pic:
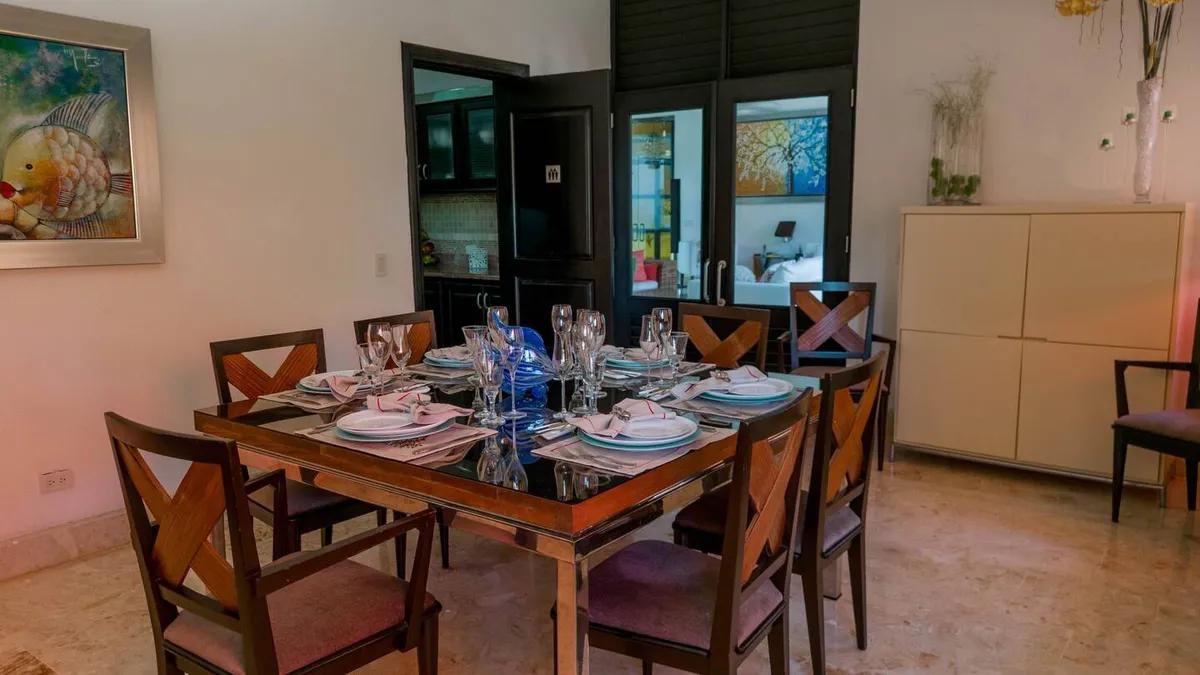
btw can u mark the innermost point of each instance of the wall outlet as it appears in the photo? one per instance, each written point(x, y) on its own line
point(55, 481)
point(381, 264)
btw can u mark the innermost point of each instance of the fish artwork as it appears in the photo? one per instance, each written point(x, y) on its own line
point(56, 180)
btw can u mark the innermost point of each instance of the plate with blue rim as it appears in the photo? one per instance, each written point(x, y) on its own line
point(759, 391)
point(314, 384)
point(616, 444)
point(447, 363)
point(414, 433)
point(633, 364)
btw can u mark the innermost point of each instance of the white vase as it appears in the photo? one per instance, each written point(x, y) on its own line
point(1149, 93)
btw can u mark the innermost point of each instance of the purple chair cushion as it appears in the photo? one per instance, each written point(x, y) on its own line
point(667, 592)
point(707, 514)
point(1182, 425)
point(310, 619)
point(301, 498)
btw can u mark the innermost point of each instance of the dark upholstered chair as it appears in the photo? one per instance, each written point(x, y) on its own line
point(727, 352)
point(663, 603)
point(1171, 432)
point(828, 335)
point(836, 501)
point(312, 612)
point(422, 336)
point(307, 508)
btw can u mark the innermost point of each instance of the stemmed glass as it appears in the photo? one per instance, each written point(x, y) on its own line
point(591, 336)
point(560, 321)
point(401, 349)
point(379, 348)
point(676, 348)
point(491, 465)
point(510, 340)
point(663, 325)
point(489, 366)
point(579, 354)
point(497, 318)
point(475, 337)
point(514, 474)
point(648, 338)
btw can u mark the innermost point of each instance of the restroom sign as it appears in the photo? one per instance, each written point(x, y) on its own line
point(553, 173)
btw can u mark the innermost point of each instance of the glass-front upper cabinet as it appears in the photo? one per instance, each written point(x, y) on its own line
point(435, 144)
point(479, 123)
point(666, 203)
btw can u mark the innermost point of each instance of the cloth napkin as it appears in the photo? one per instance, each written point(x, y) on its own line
point(343, 387)
point(417, 404)
point(690, 390)
point(610, 426)
point(629, 354)
point(456, 353)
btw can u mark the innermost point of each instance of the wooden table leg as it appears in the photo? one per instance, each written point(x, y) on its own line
point(218, 536)
point(571, 626)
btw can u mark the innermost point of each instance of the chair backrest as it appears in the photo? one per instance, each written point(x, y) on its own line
point(170, 533)
point(422, 332)
point(760, 528)
point(232, 368)
point(825, 323)
point(728, 351)
point(841, 469)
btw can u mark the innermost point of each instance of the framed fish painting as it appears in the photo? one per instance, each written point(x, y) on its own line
point(79, 181)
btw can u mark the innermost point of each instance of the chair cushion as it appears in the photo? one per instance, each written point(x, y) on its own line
point(668, 592)
point(1182, 425)
point(301, 498)
point(821, 371)
point(310, 619)
point(707, 515)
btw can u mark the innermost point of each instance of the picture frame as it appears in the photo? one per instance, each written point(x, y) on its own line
point(782, 157)
point(50, 215)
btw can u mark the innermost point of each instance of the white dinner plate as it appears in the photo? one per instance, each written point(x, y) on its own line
point(683, 431)
point(447, 363)
point(413, 433)
point(769, 389)
point(658, 429)
point(612, 444)
point(315, 383)
point(637, 365)
point(374, 422)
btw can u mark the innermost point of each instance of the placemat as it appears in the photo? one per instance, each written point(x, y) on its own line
point(408, 450)
point(575, 450)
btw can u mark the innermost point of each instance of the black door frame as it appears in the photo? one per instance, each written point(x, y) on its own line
point(432, 58)
point(625, 105)
point(836, 83)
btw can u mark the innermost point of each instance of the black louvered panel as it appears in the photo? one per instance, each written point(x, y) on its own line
point(775, 36)
point(661, 43)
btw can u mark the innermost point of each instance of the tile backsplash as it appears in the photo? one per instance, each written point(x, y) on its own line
point(454, 220)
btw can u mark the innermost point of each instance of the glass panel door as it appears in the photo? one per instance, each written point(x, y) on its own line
point(439, 138)
point(481, 142)
point(661, 185)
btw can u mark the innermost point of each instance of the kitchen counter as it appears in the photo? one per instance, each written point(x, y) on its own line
point(461, 272)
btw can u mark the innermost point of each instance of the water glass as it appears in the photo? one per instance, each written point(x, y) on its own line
point(513, 340)
point(489, 366)
point(676, 349)
point(648, 338)
point(379, 344)
point(475, 337)
point(401, 349)
point(663, 321)
point(491, 466)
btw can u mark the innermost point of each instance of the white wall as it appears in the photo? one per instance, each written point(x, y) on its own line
point(282, 149)
point(1051, 100)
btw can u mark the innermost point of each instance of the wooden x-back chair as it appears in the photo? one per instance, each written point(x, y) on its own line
point(304, 508)
point(727, 352)
point(315, 612)
point(422, 332)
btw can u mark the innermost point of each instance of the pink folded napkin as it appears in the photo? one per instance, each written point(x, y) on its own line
point(610, 426)
point(343, 388)
point(456, 353)
point(418, 405)
point(690, 390)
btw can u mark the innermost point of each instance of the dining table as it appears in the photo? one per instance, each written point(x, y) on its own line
point(566, 528)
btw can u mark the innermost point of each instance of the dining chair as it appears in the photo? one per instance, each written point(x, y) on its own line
point(835, 502)
point(307, 508)
point(668, 604)
point(422, 332)
point(422, 336)
point(313, 612)
point(830, 335)
point(728, 351)
point(1170, 432)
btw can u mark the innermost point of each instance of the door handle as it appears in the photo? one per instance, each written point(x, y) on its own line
point(486, 303)
point(720, 268)
point(479, 300)
point(424, 171)
point(704, 280)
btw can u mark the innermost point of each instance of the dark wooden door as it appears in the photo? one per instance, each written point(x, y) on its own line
point(553, 194)
point(462, 305)
point(662, 151)
point(783, 179)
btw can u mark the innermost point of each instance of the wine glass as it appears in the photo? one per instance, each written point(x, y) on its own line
point(401, 349)
point(560, 318)
point(475, 337)
point(648, 338)
point(491, 465)
point(663, 325)
point(676, 348)
point(579, 354)
point(563, 360)
point(497, 318)
point(379, 346)
point(489, 366)
point(514, 473)
point(512, 349)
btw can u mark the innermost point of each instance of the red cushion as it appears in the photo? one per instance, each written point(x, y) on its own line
point(652, 270)
point(639, 266)
point(310, 619)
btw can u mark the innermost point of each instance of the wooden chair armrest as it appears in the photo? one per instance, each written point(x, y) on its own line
point(1192, 369)
point(290, 569)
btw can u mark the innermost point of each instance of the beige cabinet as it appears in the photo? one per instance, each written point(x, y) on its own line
point(968, 390)
point(1011, 317)
point(964, 274)
point(1068, 403)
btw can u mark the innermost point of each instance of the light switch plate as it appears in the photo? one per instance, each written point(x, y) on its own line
point(381, 264)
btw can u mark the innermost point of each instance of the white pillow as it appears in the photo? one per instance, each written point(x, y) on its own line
point(743, 273)
point(805, 269)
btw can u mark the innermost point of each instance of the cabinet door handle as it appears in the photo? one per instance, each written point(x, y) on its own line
point(479, 300)
point(704, 280)
point(720, 269)
point(486, 304)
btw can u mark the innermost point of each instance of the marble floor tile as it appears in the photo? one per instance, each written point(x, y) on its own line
point(971, 569)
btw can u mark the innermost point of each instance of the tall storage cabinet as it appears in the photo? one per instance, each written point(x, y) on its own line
point(1010, 319)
